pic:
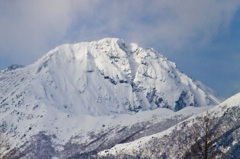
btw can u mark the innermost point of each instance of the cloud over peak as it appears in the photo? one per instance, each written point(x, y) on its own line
point(29, 29)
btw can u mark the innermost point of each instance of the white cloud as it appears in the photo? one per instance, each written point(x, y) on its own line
point(171, 23)
point(34, 27)
point(31, 27)
point(178, 23)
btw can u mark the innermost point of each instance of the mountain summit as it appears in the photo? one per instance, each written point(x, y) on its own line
point(102, 78)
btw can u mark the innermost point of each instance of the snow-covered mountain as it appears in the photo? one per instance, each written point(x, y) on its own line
point(103, 77)
point(64, 95)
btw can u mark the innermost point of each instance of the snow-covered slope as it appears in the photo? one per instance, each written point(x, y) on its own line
point(87, 134)
point(172, 142)
point(72, 85)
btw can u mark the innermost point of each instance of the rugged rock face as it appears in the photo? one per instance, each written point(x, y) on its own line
point(71, 87)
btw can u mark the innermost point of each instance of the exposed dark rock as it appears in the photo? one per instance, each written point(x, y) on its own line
point(14, 67)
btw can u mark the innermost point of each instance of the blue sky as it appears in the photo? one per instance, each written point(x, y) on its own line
point(202, 37)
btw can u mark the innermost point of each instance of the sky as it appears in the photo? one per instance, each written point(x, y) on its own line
point(201, 36)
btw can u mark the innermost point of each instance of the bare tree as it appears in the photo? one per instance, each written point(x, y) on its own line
point(4, 144)
point(202, 143)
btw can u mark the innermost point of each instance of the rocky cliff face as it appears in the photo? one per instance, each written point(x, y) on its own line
point(65, 91)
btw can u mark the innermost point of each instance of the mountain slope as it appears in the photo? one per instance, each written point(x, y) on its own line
point(172, 142)
point(88, 134)
point(72, 86)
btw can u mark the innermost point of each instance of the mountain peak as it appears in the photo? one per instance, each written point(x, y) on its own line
point(108, 77)
point(111, 40)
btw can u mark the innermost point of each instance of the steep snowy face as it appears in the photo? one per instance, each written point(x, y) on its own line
point(102, 78)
